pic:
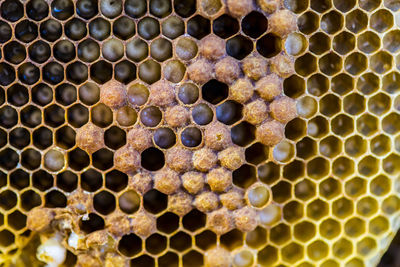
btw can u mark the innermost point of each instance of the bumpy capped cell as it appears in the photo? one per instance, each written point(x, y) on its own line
point(255, 67)
point(270, 133)
point(139, 138)
point(126, 159)
point(206, 202)
point(282, 22)
point(90, 137)
point(241, 91)
point(232, 157)
point(177, 116)
point(204, 159)
point(212, 47)
point(239, 8)
point(180, 203)
point(255, 112)
point(113, 94)
point(217, 136)
point(167, 181)
point(179, 159)
point(193, 182)
point(200, 71)
point(227, 70)
point(283, 109)
point(218, 257)
point(220, 221)
point(219, 179)
point(161, 93)
point(232, 199)
point(269, 87)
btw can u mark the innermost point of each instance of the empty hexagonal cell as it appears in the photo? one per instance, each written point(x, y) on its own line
point(16, 220)
point(205, 240)
point(269, 172)
point(390, 82)
point(381, 20)
point(268, 255)
point(30, 158)
point(168, 222)
point(295, 129)
point(355, 227)
point(330, 146)
point(294, 170)
point(317, 250)
point(330, 105)
point(243, 133)
point(130, 245)
point(330, 64)
point(30, 199)
point(342, 167)
point(368, 42)
point(390, 204)
point(244, 176)
point(198, 27)
point(129, 201)
point(6, 238)
point(367, 206)
point(256, 153)
point(306, 148)
point(317, 209)
point(380, 145)
point(116, 180)
point(152, 159)
point(342, 125)
point(379, 104)
point(368, 83)
point(193, 258)
point(368, 166)
point(65, 137)
point(293, 211)
point(380, 185)
point(320, 5)
point(67, 181)
point(391, 41)
point(279, 234)
point(282, 191)
point(317, 84)
point(378, 225)
point(292, 253)
point(91, 180)
point(194, 220)
point(294, 86)
point(318, 168)
point(42, 180)
point(331, 22)
point(269, 45)
point(319, 43)
point(78, 159)
point(225, 26)
point(55, 199)
point(18, 137)
point(367, 125)
point(356, 21)
point(355, 146)
point(239, 47)
point(155, 201)
point(102, 159)
point(344, 43)
point(180, 241)
point(354, 104)
point(305, 189)
point(342, 248)
point(390, 164)
point(7, 74)
point(342, 207)
point(305, 65)
point(104, 202)
point(355, 187)
point(101, 71)
point(155, 244)
point(308, 22)
point(381, 62)
point(91, 224)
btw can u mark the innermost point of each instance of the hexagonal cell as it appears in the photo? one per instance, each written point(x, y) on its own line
point(19, 137)
point(317, 84)
point(368, 83)
point(294, 86)
point(67, 181)
point(342, 167)
point(367, 125)
point(380, 185)
point(91, 180)
point(268, 255)
point(193, 258)
point(130, 245)
point(256, 153)
point(391, 41)
point(155, 201)
point(354, 104)
point(198, 27)
point(282, 191)
point(381, 20)
point(391, 164)
point(317, 209)
point(305, 190)
point(101, 71)
point(268, 173)
point(381, 62)
point(194, 220)
point(342, 125)
point(279, 234)
point(304, 231)
point(355, 187)
point(331, 22)
point(318, 168)
point(342, 207)
point(43, 137)
point(368, 166)
point(129, 201)
point(168, 259)
point(294, 170)
point(116, 180)
point(305, 65)
point(103, 159)
point(16, 220)
point(77, 115)
point(379, 104)
point(7, 74)
point(292, 253)
point(368, 42)
point(30, 158)
point(239, 47)
point(318, 250)
point(308, 22)
point(225, 26)
point(380, 145)
point(168, 222)
point(330, 228)
point(356, 63)
point(152, 159)
point(30, 199)
point(55, 199)
point(344, 5)
point(344, 43)
point(330, 146)
point(254, 24)
point(293, 211)
point(6, 238)
point(356, 21)
point(243, 134)
point(306, 107)
point(390, 83)
point(295, 129)
point(17, 95)
point(390, 204)
point(330, 64)
point(229, 112)
point(306, 148)
point(269, 45)
point(367, 206)
point(244, 176)
point(330, 105)
point(355, 146)
point(101, 115)
point(78, 159)
point(354, 227)
point(378, 225)
point(321, 5)
point(205, 240)
point(180, 241)
point(330, 188)
point(342, 248)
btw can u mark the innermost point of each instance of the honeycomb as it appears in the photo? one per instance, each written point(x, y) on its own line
point(199, 133)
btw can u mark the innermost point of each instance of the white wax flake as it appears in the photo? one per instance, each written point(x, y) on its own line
point(51, 252)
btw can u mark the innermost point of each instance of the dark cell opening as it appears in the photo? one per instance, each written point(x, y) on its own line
point(26, 31)
point(103, 159)
point(151, 116)
point(8, 159)
point(269, 45)
point(30, 159)
point(78, 159)
point(101, 71)
point(168, 222)
point(156, 243)
point(91, 180)
point(42, 94)
point(185, 8)
point(243, 134)
point(225, 26)
point(116, 180)
point(93, 223)
point(198, 27)
point(164, 137)
point(155, 201)
point(55, 199)
point(254, 24)
point(65, 137)
point(214, 91)
point(191, 137)
point(152, 159)
point(67, 181)
point(244, 176)
point(194, 220)
point(239, 47)
point(104, 202)
point(42, 180)
point(19, 137)
point(130, 245)
point(229, 112)
point(114, 137)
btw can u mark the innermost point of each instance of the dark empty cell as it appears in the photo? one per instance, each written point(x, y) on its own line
point(185, 8)
point(39, 51)
point(19, 179)
point(54, 115)
point(152, 159)
point(125, 71)
point(89, 93)
point(143, 260)
point(55, 199)
point(101, 71)
point(99, 29)
point(5, 32)
point(214, 91)
point(160, 8)
point(87, 8)
point(244, 176)
point(148, 28)
point(8, 159)
point(114, 137)
point(30, 159)
point(2, 96)
point(7, 74)
point(169, 259)
point(30, 199)
point(168, 222)
point(37, 9)
point(156, 243)
point(104, 202)
point(17, 220)
point(66, 94)
point(62, 9)
point(101, 115)
point(180, 241)
point(17, 95)
point(188, 93)
point(3, 179)
point(78, 159)
point(164, 137)
point(92, 224)
point(42, 138)
point(202, 114)
point(31, 116)
point(12, 10)
point(308, 22)
point(50, 30)
point(191, 137)
point(194, 220)
point(8, 199)
point(135, 8)
point(151, 116)
point(77, 72)
point(239, 47)
point(229, 112)
point(53, 73)
point(243, 134)
point(3, 139)
point(206, 239)
point(91, 180)
point(78, 115)
point(67, 181)
point(65, 137)
point(256, 154)
point(42, 94)
point(26, 31)
point(116, 180)
point(103, 159)
point(254, 24)
point(130, 245)
point(8, 117)
point(269, 45)
point(155, 201)
point(225, 26)
point(28, 73)
point(198, 27)
point(14, 52)
point(75, 29)
point(129, 202)
point(64, 51)
point(232, 239)
point(193, 258)
point(19, 137)
point(124, 28)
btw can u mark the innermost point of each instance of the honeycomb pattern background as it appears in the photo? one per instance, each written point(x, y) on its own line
point(332, 183)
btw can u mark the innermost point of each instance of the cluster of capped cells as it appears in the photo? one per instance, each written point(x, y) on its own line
point(198, 133)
